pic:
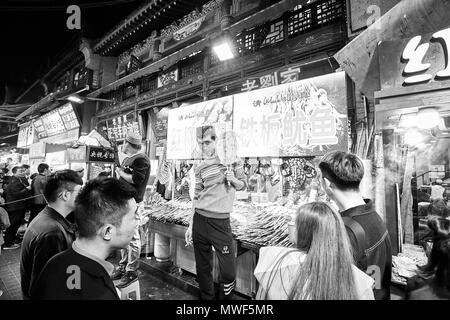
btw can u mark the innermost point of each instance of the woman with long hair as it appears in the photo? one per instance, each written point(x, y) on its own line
point(319, 268)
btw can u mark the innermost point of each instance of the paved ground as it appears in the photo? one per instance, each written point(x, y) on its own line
point(151, 287)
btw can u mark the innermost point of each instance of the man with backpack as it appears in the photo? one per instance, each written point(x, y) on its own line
point(341, 175)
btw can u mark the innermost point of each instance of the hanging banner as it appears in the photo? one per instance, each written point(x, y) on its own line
point(183, 121)
point(302, 118)
point(37, 150)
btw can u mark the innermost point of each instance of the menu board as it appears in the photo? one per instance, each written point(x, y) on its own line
point(40, 129)
point(53, 123)
point(57, 121)
point(26, 135)
point(69, 117)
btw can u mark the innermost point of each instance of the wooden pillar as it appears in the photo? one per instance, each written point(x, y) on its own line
point(390, 167)
point(225, 14)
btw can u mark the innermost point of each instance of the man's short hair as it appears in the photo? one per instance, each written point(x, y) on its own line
point(60, 180)
point(101, 201)
point(343, 169)
point(42, 167)
point(14, 169)
point(25, 166)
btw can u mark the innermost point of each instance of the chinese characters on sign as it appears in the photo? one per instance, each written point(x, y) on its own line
point(167, 78)
point(415, 52)
point(303, 118)
point(69, 117)
point(97, 154)
point(183, 121)
point(118, 127)
point(26, 135)
point(273, 79)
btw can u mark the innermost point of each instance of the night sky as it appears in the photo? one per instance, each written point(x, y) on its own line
point(32, 32)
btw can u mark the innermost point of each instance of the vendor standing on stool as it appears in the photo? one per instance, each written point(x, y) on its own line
point(210, 223)
point(135, 170)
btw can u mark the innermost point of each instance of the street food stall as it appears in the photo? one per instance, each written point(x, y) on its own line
point(412, 116)
point(279, 134)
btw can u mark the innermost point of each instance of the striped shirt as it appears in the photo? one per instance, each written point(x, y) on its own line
point(212, 197)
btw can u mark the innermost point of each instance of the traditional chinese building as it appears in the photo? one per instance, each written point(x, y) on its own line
point(166, 57)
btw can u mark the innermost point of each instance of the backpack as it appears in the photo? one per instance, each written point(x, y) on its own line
point(360, 235)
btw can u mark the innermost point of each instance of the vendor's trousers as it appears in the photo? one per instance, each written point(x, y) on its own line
point(130, 256)
point(208, 233)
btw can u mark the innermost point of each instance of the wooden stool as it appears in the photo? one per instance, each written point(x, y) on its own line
point(130, 292)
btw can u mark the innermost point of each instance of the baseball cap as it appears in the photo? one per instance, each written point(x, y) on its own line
point(77, 168)
point(134, 138)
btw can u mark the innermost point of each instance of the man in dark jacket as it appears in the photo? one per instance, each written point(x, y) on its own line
point(16, 192)
point(106, 216)
point(38, 187)
point(135, 171)
point(50, 233)
point(341, 175)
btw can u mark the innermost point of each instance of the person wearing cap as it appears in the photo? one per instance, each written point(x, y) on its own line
point(135, 170)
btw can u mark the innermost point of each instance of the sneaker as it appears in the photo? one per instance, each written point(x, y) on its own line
point(118, 274)
point(11, 247)
point(129, 277)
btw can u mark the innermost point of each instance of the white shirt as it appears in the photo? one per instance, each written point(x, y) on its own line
point(280, 282)
point(437, 192)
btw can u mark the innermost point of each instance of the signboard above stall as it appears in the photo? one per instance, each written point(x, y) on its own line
point(26, 135)
point(298, 119)
point(419, 60)
point(57, 121)
point(98, 154)
point(118, 127)
point(183, 121)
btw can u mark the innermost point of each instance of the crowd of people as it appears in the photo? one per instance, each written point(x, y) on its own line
point(339, 253)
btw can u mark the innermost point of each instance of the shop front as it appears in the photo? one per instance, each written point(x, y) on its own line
point(413, 128)
point(279, 133)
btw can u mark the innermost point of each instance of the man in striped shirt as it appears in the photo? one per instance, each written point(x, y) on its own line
point(210, 223)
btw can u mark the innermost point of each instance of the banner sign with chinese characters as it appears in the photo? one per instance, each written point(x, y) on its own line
point(414, 61)
point(273, 79)
point(302, 118)
point(183, 121)
point(98, 154)
point(118, 127)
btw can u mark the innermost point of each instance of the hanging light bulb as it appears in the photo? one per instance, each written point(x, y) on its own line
point(428, 118)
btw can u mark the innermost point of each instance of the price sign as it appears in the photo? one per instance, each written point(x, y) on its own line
point(53, 123)
point(40, 129)
point(69, 117)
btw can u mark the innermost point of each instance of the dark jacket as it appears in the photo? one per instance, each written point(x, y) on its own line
point(139, 167)
point(47, 235)
point(94, 281)
point(420, 288)
point(17, 190)
point(377, 247)
point(38, 187)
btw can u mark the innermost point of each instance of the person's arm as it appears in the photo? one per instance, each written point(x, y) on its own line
point(237, 177)
point(141, 167)
point(46, 247)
